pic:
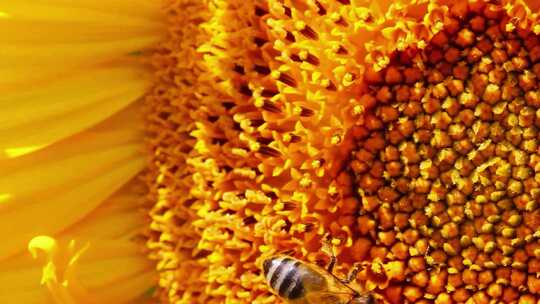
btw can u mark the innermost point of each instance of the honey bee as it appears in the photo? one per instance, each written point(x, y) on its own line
point(298, 282)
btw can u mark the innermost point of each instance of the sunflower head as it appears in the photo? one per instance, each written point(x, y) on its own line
point(408, 131)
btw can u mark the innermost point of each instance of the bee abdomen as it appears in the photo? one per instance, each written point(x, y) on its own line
point(284, 276)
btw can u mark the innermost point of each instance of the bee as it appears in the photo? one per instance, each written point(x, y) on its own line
point(298, 282)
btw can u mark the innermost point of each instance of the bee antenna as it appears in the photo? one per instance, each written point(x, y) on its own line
point(328, 248)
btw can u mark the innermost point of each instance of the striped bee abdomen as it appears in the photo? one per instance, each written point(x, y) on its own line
point(284, 276)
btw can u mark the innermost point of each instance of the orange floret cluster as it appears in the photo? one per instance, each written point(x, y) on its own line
point(447, 162)
point(408, 131)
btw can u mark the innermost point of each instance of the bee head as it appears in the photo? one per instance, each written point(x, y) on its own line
point(364, 299)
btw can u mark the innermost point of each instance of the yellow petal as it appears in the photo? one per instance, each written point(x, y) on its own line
point(137, 8)
point(42, 24)
point(29, 66)
point(44, 47)
point(119, 218)
point(50, 112)
point(71, 73)
point(55, 187)
point(45, 12)
point(42, 41)
point(30, 294)
point(99, 272)
point(114, 268)
point(104, 263)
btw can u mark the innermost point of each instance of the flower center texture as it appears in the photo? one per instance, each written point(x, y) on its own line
point(447, 162)
point(408, 131)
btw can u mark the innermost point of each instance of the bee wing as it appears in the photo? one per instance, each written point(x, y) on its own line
point(327, 297)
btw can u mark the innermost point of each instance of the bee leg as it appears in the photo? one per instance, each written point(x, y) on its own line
point(352, 274)
point(330, 267)
point(329, 250)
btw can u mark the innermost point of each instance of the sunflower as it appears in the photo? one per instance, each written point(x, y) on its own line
point(181, 142)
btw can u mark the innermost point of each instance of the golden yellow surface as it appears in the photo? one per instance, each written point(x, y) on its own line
point(71, 146)
point(408, 131)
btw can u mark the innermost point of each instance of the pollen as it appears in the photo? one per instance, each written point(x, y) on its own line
point(407, 131)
